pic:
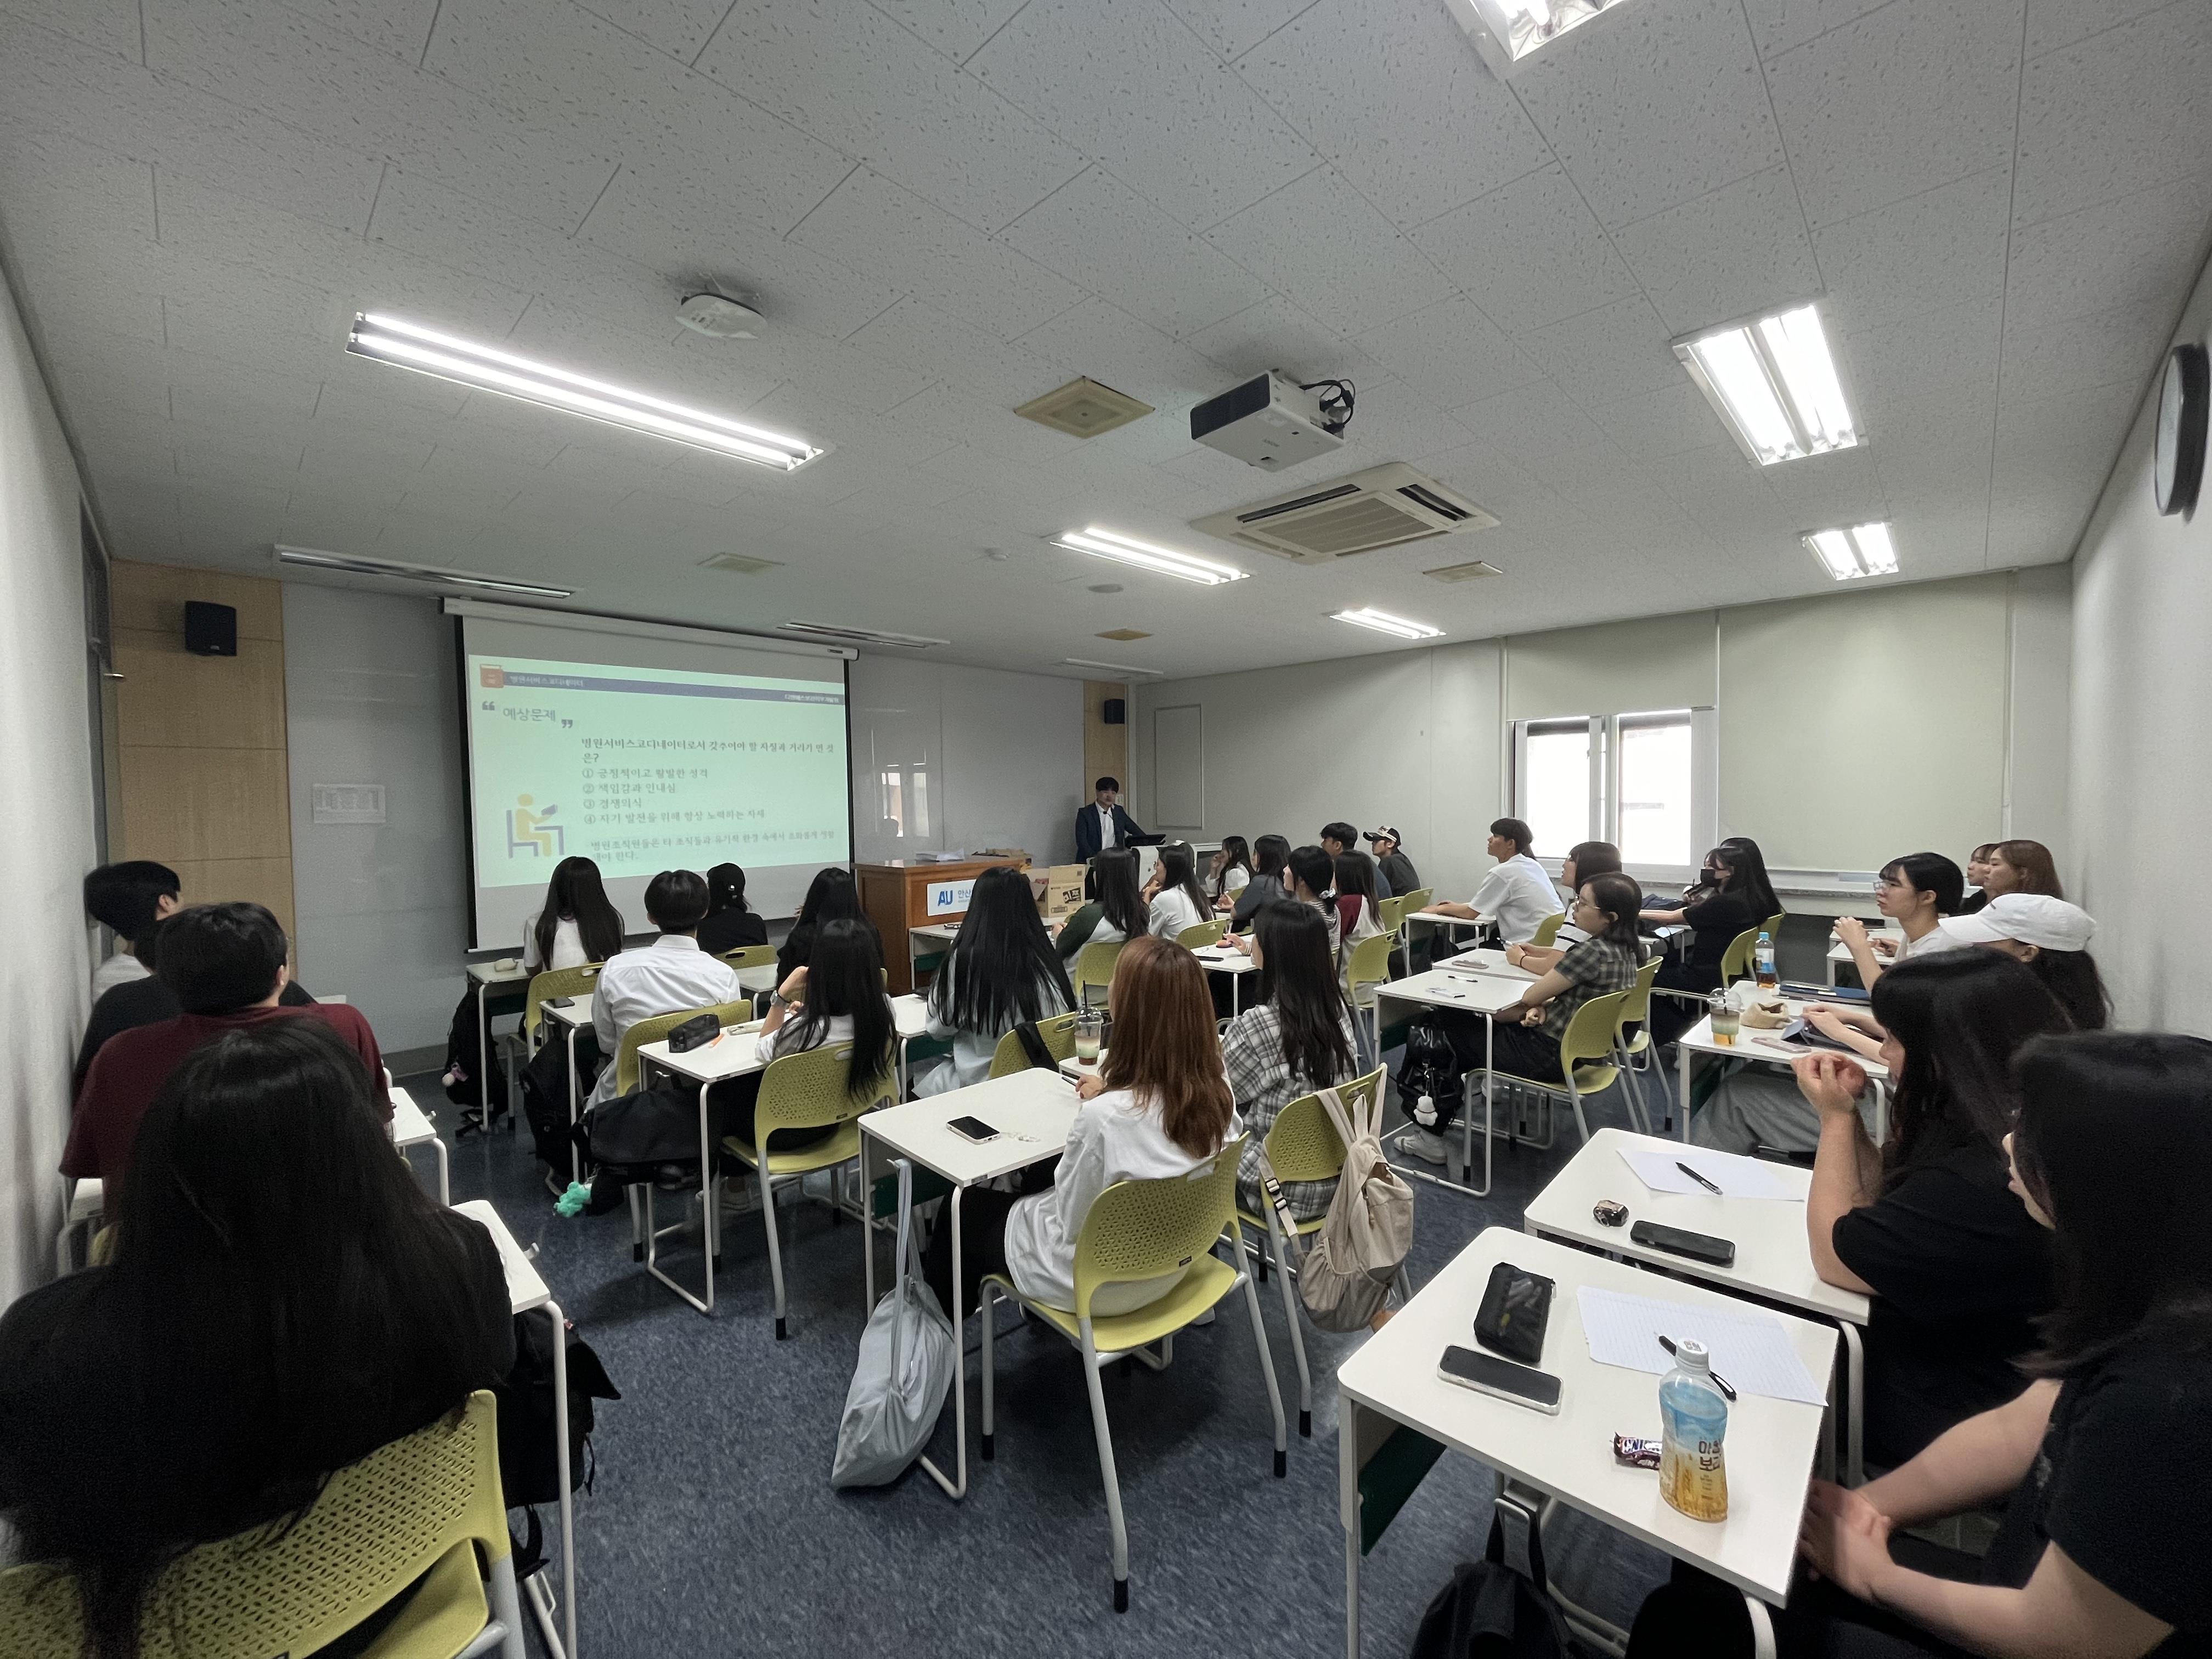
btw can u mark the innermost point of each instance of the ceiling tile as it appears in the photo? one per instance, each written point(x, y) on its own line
point(1530, 424)
point(1528, 254)
point(1399, 100)
point(679, 28)
point(2122, 110)
point(1450, 352)
point(1656, 105)
point(615, 95)
point(954, 27)
point(1668, 421)
point(921, 337)
point(1127, 83)
point(868, 223)
point(399, 28)
point(854, 79)
point(2143, 250)
point(1114, 348)
point(1099, 233)
point(1948, 77)
point(107, 26)
point(1233, 27)
point(1778, 25)
point(1319, 242)
point(1920, 254)
point(2120, 346)
point(1935, 371)
point(2055, 23)
point(1844, 487)
point(1604, 354)
point(258, 55)
point(1276, 334)
point(1734, 251)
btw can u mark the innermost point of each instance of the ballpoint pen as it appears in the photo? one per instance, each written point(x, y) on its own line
point(1710, 1186)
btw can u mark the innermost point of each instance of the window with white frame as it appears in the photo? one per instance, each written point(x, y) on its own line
point(1641, 780)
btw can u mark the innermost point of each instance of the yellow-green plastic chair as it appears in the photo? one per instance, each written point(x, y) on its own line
point(1203, 934)
point(804, 1091)
point(1303, 1145)
point(751, 956)
point(1058, 1035)
point(1391, 913)
point(1139, 1229)
point(426, 1504)
point(1549, 929)
point(1774, 925)
point(1367, 967)
point(1586, 1056)
point(1419, 899)
point(1735, 961)
point(657, 1026)
point(1635, 1010)
point(1094, 966)
point(545, 987)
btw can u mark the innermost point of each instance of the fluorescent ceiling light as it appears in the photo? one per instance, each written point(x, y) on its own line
point(1507, 31)
point(1118, 667)
point(1384, 623)
point(858, 635)
point(1146, 555)
point(431, 575)
point(1774, 382)
point(389, 340)
point(1864, 549)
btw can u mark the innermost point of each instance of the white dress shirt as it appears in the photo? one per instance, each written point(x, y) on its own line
point(119, 970)
point(668, 976)
point(1112, 1138)
point(1108, 834)
point(1516, 895)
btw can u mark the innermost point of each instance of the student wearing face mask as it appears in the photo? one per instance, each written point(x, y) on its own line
point(1732, 896)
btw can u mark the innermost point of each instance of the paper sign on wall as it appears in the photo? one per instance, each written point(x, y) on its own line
point(946, 897)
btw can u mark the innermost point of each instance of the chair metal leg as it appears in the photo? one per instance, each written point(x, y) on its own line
point(988, 1301)
point(507, 1606)
point(1290, 1314)
point(1106, 1474)
point(636, 1223)
point(775, 1247)
point(1575, 1095)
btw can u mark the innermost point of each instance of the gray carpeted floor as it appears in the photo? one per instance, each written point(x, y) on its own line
point(711, 1526)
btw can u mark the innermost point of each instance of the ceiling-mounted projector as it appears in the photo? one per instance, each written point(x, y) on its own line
point(1270, 423)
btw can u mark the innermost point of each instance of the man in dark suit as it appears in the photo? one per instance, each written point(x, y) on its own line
point(1106, 823)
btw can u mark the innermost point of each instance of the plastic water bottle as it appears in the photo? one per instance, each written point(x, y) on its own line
point(1693, 1421)
point(1762, 963)
point(1424, 1113)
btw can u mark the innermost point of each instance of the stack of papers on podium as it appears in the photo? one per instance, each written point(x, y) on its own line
point(1736, 1177)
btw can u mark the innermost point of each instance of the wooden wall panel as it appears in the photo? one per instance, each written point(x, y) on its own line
point(1105, 748)
point(204, 780)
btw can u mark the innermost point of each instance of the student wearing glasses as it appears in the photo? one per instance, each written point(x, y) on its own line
point(1916, 892)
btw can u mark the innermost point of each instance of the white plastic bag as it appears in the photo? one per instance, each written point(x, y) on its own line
point(904, 1372)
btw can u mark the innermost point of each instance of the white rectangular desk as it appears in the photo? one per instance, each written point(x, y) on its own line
point(926, 940)
point(410, 1126)
point(526, 1293)
point(1233, 965)
point(1773, 1257)
point(1484, 960)
point(1032, 1110)
point(1753, 1044)
point(732, 1055)
point(1838, 954)
point(1476, 993)
point(1391, 1386)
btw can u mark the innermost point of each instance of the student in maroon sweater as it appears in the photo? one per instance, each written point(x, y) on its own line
point(226, 964)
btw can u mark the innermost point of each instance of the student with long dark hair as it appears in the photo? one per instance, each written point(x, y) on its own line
point(2107, 1453)
point(1917, 892)
point(837, 998)
point(2052, 938)
point(1296, 1038)
point(832, 896)
point(1958, 1272)
point(1731, 896)
point(1230, 870)
point(1174, 899)
point(1161, 1108)
point(1115, 913)
point(1977, 879)
point(1528, 1032)
point(1357, 918)
point(283, 1300)
point(1271, 854)
point(577, 923)
point(731, 924)
point(1001, 970)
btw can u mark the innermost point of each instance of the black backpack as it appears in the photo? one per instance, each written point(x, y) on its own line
point(1488, 1611)
point(545, 1093)
point(529, 1456)
point(463, 1058)
point(1430, 1066)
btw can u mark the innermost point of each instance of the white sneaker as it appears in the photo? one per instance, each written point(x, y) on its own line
point(1425, 1144)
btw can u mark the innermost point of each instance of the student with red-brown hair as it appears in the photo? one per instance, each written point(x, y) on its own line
point(1161, 1107)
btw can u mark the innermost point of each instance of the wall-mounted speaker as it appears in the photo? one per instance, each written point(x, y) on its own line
point(210, 630)
point(1114, 712)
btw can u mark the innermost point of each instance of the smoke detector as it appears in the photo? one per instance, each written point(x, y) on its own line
point(719, 318)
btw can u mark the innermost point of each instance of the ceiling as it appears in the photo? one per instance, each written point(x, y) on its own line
point(947, 207)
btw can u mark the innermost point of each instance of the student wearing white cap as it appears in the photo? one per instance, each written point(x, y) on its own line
point(2052, 938)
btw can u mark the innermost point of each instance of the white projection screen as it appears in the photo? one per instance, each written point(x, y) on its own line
point(645, 749)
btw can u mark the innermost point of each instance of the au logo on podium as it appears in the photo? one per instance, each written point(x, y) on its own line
point(946, 897)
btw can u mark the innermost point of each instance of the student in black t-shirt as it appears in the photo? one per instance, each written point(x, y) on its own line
point(1957, 1271)
point(2106, 1547)
point(731, 924)
point(1732, 896)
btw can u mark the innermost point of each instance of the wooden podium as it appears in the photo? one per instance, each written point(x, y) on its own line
point(896, 898)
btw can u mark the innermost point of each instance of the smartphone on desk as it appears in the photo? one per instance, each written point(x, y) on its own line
point(972, 1128)
point(560, 1002)
point(1519, 1385)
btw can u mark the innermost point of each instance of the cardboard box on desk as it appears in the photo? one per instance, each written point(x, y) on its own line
point(1063, 890)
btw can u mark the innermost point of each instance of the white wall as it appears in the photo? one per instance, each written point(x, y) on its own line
point(1407, 738)
point(381, 909)
point(2141, 783)
point(46, 815)
point(1001, 753)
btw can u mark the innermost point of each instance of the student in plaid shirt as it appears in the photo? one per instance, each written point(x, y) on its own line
point(1296, 1040)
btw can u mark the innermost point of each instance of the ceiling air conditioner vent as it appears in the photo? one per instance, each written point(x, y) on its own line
point(1383, 507)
